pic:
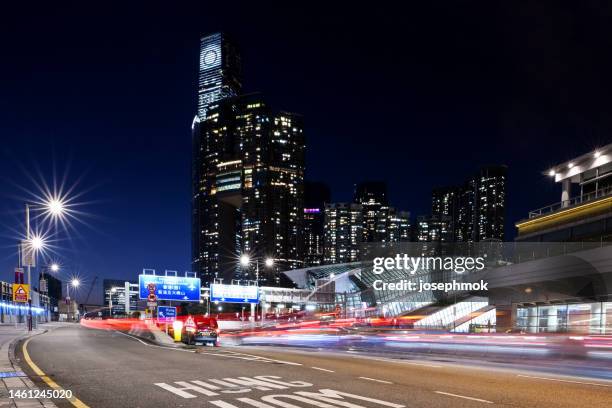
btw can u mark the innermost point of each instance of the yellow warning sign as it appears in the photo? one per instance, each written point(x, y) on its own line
point(21, 292)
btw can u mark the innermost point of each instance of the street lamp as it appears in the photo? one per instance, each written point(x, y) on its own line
point(74, 283)
point(54, 267)
point(245, 260)
point(55, 207)
point(110, 301)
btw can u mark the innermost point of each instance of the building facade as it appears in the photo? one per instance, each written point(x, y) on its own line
point(250, 189)
point(315, 197)
point(584, 211)
point(343, 232)
point(398, 226)
point(219, 75)
point(474, 211)
point(372, 196)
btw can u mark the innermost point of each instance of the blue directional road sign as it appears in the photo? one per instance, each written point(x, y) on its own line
point(234, 293)
point(169, 288)
point(166, 313)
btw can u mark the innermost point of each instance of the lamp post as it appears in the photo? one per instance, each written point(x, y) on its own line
point(75, 284)
point(110, 301)
point(54, 207)
point(245, 261)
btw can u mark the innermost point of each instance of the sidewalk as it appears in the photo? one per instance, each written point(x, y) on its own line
point(11, 376)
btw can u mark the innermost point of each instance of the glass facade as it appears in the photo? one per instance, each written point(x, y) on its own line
point(585, 318)
point(250, 190)
point(219, 72)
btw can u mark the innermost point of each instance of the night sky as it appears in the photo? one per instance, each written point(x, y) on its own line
point(418, 96)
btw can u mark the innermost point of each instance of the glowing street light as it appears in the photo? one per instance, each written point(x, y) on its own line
point(245, 260)
point(55, 207)
point(37, 242)
point(54, 267)
point(75, 283)
point(269, 262)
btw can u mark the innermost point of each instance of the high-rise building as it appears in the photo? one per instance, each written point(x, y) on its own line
point(490, 199)
point(435, 228)
point(250, 189)
point(219, 77)
point(315, 197)
point(220, 71)
point(372, 196)
point(475, 211)
point(398, 226)
point(445, 202)
point(343, 232)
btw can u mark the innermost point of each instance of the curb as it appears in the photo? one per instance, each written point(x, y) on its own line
point(47, 403)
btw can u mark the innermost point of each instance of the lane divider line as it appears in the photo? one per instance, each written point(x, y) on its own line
point(374, 379)
point(223, 353)
point(464, 397)
point(323, 369)
point(73, 400)
point(154, 345)
point(565, 381)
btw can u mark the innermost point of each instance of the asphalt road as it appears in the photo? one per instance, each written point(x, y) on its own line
point(110, 369)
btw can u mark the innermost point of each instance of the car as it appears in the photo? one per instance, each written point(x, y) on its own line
point(206, 331)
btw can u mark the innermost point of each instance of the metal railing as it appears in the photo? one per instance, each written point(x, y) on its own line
point(581, 199)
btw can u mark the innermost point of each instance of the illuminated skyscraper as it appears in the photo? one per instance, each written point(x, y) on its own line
point(398, 226)
point(315, 197)
point(343, 232)
point(372, 196)
point(490, 199)
point(251, 187)
point(220, 71)
point(476, 210)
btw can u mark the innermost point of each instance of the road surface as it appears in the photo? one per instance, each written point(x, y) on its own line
point(106, 368)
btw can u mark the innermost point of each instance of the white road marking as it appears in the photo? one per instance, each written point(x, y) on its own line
point(565, 381)
point(374, 379)
point(464, 397)
point(390, 360)
point(256, 357)
point(323, 369)
point(240, 385)
point(155, 345)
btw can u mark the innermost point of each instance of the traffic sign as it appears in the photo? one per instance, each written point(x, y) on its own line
point(169, 288)
point(166, 313)
point(152, 297)
point(21, 292)
point(190, 325)
point(234, 293)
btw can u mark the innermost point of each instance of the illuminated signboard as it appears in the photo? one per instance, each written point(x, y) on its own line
point(169, 288)
point(311, 211)
point(234, 293)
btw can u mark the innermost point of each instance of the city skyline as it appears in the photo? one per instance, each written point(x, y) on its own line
point(158, 231)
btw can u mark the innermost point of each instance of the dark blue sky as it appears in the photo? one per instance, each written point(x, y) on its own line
point(419, 96)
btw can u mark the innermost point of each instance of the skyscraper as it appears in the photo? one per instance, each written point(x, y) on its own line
point(343, 232)
point(435, 228)
point(219, 77)
point(490, 201)
point(445, 202)
point(398, 226)
point(220, 71)
point(315, 197)
point(476, 210)
point(372, 196)
point(251, 186)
